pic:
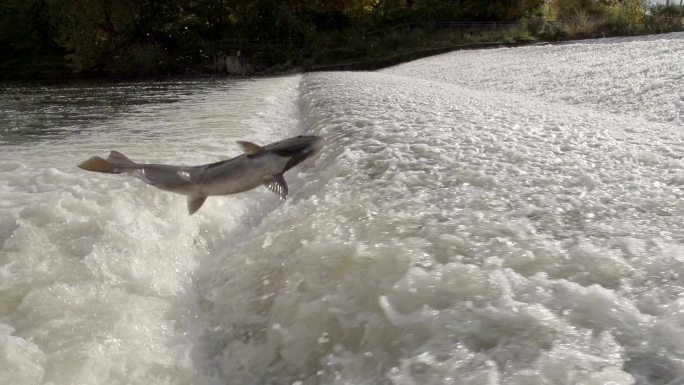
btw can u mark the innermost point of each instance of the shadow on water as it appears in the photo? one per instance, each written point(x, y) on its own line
point(652, 369)
point(215, 334)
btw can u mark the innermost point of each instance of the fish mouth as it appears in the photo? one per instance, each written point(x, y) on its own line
point(313, 149)
point(304, 148)
point(316, 146)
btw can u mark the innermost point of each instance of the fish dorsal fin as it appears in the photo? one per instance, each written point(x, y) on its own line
point(194, 203)
point(250, 148)
point(278, 186)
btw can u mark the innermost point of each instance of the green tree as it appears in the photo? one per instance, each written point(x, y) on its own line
point(25, 29)
point(93, 31)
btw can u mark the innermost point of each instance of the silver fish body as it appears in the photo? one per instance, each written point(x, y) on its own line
point(257, 166)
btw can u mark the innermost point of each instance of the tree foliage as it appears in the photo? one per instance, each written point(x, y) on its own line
point(157, 36)
point(25, 28)
point(591, 18)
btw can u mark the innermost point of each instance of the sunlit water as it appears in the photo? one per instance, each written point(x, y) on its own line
point(506, 216)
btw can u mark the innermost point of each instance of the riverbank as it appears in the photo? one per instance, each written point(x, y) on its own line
point(48, 40)
point(357, 54)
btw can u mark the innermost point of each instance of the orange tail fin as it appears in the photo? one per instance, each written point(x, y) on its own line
point(116, 163)
point(98, 164)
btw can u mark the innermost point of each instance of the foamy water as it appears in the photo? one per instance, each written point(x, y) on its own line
point(96, 268)
point(505, 216)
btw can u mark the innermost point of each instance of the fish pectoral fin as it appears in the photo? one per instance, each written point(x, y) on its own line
point(250, 148)
point(278, 186)
point(194, 203)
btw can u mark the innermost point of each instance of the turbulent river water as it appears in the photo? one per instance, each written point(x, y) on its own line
point(504, 216)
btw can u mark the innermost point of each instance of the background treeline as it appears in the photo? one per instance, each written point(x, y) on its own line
point(143, 37)
point(592, 18)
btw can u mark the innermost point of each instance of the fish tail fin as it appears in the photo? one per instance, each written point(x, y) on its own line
point(119, 160)
point(98, 164)
point(116, 163)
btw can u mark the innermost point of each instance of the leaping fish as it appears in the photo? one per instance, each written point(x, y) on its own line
point(257, 166)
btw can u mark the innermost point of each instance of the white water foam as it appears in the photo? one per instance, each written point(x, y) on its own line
point(637, 76)
point(458, 228)
point(95, 268)
point(449, 235)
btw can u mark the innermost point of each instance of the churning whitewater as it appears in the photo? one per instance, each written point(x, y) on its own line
point(506, 216)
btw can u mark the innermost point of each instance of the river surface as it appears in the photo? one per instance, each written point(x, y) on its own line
point(503, 216)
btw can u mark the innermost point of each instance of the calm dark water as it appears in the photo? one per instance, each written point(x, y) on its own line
point(33, 111)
